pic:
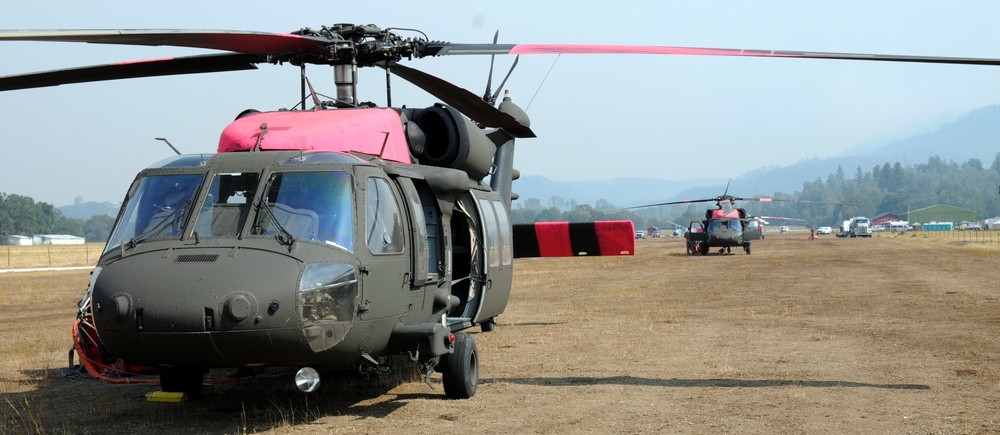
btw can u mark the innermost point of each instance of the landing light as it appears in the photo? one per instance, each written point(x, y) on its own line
point(307, 379)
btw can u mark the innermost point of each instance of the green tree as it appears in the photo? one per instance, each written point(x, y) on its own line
point(98, 228)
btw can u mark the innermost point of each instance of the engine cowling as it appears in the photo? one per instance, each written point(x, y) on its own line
point(450, 140)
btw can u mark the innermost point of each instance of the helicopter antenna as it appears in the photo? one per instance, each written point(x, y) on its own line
point(384, 141)
point(260, 138)
point(168, 144)
point(489, 77)
point(312, 92)
point(543, 82)
point(497, 93)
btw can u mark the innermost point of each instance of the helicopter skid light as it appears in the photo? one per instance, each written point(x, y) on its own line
point(307, 379)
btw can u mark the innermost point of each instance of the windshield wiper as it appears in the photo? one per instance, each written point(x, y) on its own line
point(168, 221)
point(285, 237)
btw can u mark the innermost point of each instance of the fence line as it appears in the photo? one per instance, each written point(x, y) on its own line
point(973, 236)
point(19, 257)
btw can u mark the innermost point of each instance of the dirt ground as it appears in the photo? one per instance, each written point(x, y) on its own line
point(803, 336)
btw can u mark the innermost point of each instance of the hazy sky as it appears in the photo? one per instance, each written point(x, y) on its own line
point(596, 116)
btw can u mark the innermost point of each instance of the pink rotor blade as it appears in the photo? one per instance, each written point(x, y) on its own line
point(699, 51)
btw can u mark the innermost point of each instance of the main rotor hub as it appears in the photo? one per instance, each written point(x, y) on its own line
point(361, 45)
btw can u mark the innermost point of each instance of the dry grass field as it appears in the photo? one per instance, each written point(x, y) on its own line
point(887, 335)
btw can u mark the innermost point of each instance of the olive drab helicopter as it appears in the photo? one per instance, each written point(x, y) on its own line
point(725, 226)
point(342, 236)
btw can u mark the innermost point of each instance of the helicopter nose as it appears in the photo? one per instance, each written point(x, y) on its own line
point(196, 292)
point(182, 301)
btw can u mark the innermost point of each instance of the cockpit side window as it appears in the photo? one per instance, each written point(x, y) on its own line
point(384, 227)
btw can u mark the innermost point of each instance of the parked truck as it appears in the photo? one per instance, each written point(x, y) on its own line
point(860, 226)
point(845, 229)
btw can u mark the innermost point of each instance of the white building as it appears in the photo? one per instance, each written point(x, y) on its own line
point(992, 223)
point(58, 239)
point(18, 240)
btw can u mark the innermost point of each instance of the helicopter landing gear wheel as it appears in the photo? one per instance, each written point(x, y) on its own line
point(746, 248)
point(460, 370)
point(488, 325)
point(181, 380)
point(703, 249)
point(729, 250)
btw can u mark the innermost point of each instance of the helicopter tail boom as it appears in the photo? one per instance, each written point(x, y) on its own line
point(573, 239)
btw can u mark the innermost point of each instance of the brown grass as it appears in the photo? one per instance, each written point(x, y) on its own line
point(887, 335)
point(22, 257)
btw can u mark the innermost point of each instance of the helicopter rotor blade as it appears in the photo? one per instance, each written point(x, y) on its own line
point(443, 49)
point(464, 101)
point(797, 200)
point(782, 218)
point(228, 40)
point(687, 201)
point(127, 70)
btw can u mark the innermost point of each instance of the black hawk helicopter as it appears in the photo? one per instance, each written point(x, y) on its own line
point(331, 237)
point(725, 226)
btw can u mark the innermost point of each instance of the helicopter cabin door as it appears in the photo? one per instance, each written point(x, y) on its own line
point(483, 256)
point(753, 229)
point(383, 255)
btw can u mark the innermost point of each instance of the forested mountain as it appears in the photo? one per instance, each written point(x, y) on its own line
point(975, 135)
point(826, 200)
point(955, 164)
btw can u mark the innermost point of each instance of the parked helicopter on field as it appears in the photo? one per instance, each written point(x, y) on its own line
point(331, 237)
point(725, 226)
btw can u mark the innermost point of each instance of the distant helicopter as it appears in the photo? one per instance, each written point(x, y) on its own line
point(724, 227)
point(337, 236)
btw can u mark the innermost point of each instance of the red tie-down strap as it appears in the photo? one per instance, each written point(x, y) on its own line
point(566, 239)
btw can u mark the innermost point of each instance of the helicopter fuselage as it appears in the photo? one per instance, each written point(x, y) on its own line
point(290, 258)
point(722, 229)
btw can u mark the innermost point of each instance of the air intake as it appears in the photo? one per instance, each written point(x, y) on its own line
point(197, 258)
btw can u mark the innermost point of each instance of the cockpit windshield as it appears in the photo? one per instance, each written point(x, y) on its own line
point(308, 205)
point(157, 209)
point(300, 205)
point(721, 224)
point(227, 204)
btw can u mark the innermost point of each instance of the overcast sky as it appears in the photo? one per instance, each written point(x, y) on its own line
point(596, 116)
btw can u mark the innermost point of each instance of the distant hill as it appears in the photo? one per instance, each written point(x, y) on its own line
point(973, 135)
point(86, 210)
point(620, 191)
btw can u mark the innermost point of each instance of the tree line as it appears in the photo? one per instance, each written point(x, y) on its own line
point(895, 188)
point(21, 215)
